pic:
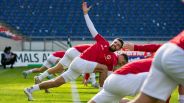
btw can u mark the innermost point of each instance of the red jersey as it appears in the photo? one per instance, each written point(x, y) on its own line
point(148, 48)
point(82, 47)
point(99, 52)
point(59, 54)
point(135, 67)
point(179, 40)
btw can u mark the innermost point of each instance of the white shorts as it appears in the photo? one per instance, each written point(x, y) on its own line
point(167, 71)
point(51, 61)
point(118, 86)
point(78, 67)
point(70, 54)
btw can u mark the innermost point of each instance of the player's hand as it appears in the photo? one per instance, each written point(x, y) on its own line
point(128, 46)
point(85, 8)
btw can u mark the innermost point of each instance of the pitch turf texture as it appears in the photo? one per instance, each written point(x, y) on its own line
point(12, 84)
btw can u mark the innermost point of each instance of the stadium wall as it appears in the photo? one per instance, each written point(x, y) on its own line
point(16, 45)
point(57, 45)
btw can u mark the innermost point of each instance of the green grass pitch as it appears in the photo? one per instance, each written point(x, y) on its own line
point(12, 84)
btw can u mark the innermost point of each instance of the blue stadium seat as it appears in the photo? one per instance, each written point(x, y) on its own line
point(131, 19)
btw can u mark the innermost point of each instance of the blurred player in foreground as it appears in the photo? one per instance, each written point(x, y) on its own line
point(168, 65)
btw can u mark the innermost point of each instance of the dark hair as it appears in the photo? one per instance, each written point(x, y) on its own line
point(7, 48)
point(121, 41)
point(125, 57)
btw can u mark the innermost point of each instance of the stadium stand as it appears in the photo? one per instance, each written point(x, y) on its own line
point(7, 33)
point(129, 19)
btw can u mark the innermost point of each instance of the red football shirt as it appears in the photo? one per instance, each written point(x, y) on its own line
point(152, 48)
point(135, 67)
point(99, 52)
point(59, 54)
point(147, 47)
point(179, 40)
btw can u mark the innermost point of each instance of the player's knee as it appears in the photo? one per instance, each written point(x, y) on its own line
point(59, 67)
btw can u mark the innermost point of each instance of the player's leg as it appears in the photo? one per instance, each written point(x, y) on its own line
point(67, 76)
point(144, 99)
point(46, 65)
point(44, 85)
point(93, 80)
point(34, 70)
point(64, 62)
point(58, 81)
point(52, 60)
point(103, 96)
point(124, 85)
point(118, 86)
point(103, 73)
point(53, 70)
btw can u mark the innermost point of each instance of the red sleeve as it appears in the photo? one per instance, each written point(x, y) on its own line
point(99, 38)
point(86, 76)
point(59, 54)
point(147, 47)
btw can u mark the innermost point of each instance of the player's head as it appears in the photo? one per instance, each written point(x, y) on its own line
point(122, 59)
point(116, 45)
point(7, 49)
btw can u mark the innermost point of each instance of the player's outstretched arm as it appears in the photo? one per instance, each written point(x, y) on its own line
point(89, 23)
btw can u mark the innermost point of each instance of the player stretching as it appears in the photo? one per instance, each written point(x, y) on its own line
point(65, 61)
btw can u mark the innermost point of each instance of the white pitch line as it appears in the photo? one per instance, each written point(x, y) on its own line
point(75, 94)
